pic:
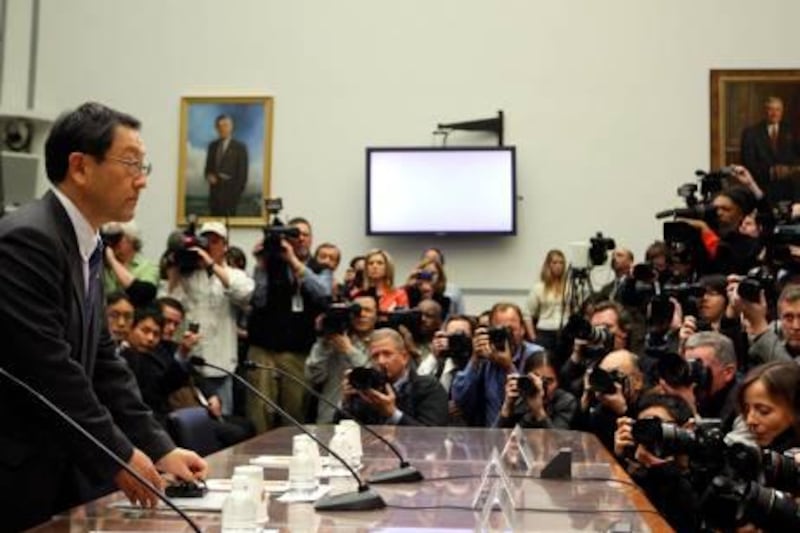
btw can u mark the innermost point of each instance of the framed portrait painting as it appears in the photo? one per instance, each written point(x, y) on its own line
point(225, 158)
point(755, 122)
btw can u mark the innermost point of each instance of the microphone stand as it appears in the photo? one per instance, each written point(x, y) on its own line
point(405, 474)
point(65, 417)
point(364, 500)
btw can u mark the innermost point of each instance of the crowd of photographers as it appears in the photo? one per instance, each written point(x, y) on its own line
point(683, 365)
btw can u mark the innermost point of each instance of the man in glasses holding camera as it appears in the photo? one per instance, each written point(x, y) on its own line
point(501, 349)
point(391, 392)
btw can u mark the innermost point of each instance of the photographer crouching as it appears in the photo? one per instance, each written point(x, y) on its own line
point(346, 330)
point(391, 392)
point(533, 399)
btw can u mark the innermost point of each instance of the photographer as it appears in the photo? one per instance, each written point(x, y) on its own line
point(779, 341)
point(428, 282)
point(608, 315)
point(533, 399)
point(717, 354)
point(479, 389)
point(621, 263)
point(611, 390)
point(450, 350)
point(126, 269)
point(665, 480)
point(337, 351)
point(210, 294)
point(286, 302)
point(395, 394)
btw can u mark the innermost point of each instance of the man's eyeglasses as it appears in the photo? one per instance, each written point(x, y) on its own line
point(135, 168)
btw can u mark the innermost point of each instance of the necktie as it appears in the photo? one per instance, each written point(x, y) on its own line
point(220, 153)
point(93, 283)
point(773, 136)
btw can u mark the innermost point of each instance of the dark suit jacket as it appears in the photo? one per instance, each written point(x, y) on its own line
point(758, 156)
point(232, 171)
point(422, 400)
point(43, 342)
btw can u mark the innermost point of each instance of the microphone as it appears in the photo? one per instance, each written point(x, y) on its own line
point(404, 474)
point(364, 500)
point(91, 438)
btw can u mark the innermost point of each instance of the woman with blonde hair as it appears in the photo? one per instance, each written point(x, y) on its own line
point(379, 277)
point(547, 300)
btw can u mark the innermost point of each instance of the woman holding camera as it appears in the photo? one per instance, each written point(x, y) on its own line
point(380, 278)
point(428, 281)
point(546, 301)
point(533, 399)
point(769, 402)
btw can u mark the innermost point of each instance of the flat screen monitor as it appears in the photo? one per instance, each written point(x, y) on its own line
point(441, 191)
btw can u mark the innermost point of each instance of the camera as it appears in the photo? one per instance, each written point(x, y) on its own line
point(705, 443)
point(679, 372)
point(111, 234)
point(338, 317)
point(498, 336)
point(180, 247)
point(730, 503)
point(186, 489)
point(365, 378)
point(526, 386)
point(758, 279)
point(459, 348)
point(578, 327)
point(424, 275)
point(599, 247)
point(194, 327)
point(605, 382)
point(275, 230)
point(411, 319)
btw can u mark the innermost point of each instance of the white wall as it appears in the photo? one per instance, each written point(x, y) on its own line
point(607, 102)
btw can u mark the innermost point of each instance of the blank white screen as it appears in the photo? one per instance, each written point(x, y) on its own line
point(441, 191)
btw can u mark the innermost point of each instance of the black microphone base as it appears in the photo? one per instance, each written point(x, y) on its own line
point(406, 474)
point(367, 500)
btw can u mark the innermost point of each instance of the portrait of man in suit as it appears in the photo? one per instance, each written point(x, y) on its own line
point(769, 150)
point(755, 122)
point(225, 158)
point(226, 169)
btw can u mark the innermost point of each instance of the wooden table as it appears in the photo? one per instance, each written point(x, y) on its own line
point(599, 495)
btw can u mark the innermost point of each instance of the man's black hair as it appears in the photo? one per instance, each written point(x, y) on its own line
point(150, 311)
point(168, 301)
point(88, 129)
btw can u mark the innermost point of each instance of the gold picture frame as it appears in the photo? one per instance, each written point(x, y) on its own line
point(225, 176)
point(738, 103)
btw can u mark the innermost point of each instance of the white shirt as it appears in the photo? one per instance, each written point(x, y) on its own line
point(86, 235)
point(209, 303)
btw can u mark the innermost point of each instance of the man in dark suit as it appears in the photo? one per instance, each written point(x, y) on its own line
point(408, 399)
point(56, 340)
point(769, 150)
point(226, 169)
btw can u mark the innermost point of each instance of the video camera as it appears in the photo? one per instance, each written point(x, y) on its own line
point(275, 231)
point(338, 317)
point(599, 246)
point(180, 247)
point(365, 378)
point(578, 327)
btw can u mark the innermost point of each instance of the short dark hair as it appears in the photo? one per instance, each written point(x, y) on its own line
point(168, 301)
point(149, 311)
point(236, 257)
point(623, 317)
point(461, 318)
point(222, 117)
point(116, 296)
point(299, 220)
point(538, 360)
point(88, 129)
point(356, 259)
point(678, 408)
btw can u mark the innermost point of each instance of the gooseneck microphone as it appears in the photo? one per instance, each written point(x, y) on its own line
point(404, 474)
point(365, 499)
point(91, 438)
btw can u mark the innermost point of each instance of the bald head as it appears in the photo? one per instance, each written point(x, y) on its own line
point(622, 360)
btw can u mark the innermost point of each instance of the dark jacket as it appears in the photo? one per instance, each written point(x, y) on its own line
point(158, 374)
point(560, 412)
point(61, 347)
point(422, 400)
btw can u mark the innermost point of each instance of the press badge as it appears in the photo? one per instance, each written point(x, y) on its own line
point(297, 303)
